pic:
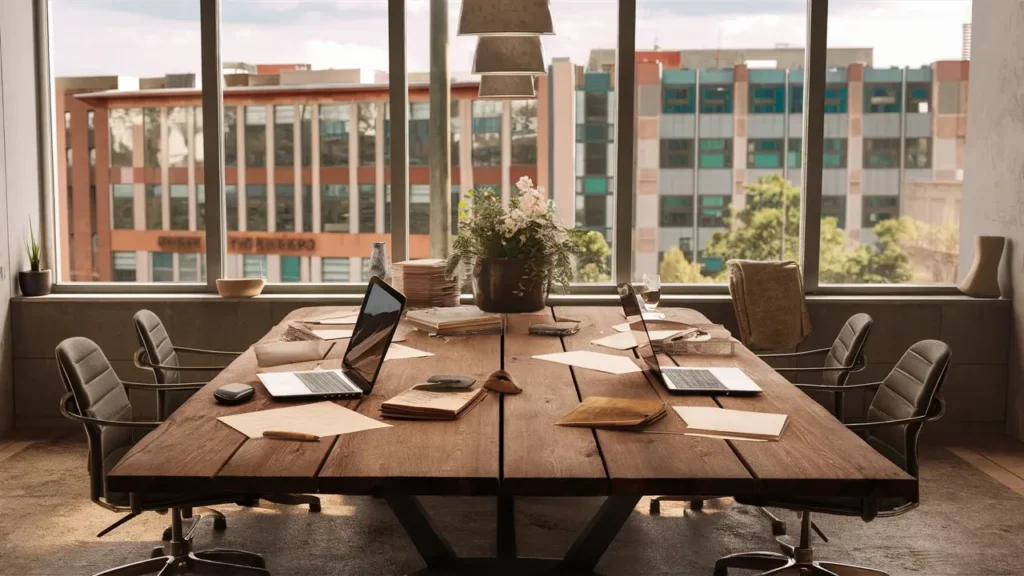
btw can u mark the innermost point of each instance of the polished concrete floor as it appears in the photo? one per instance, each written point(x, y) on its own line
point(970, 523)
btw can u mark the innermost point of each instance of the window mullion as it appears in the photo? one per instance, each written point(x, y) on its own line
point(625, 139)
point(813, 141)
point(213, 142)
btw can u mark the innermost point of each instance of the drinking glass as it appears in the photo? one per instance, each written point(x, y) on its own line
point(649, 291)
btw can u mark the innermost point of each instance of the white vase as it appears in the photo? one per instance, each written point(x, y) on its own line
point(982, 280)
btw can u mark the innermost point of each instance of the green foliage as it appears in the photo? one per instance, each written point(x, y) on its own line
point(32, 247)
point(756, 233)
point(675, 269)
point(592, 261)
point(528, 231)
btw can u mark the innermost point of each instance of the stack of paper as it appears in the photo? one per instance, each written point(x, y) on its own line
point(415, 404)
point(719, 422)
point(320, 419)
point(424, 284)
point(614, 413)
point(454, 321)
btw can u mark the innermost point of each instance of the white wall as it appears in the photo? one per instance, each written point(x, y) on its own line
point(994, 173)
point(19, 168)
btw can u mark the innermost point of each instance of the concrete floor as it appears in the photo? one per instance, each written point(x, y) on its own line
point(968, 524)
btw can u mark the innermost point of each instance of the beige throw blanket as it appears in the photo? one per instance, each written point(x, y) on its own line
point(768, 298)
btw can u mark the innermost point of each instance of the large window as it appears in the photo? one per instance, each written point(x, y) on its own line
point(716, 152)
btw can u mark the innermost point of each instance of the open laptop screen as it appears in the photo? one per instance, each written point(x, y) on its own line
point(378, 320)
point(634, 315)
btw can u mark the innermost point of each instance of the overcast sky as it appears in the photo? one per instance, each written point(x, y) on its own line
point(156, 37)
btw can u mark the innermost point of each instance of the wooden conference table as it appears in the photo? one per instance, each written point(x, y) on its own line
point(509, 446)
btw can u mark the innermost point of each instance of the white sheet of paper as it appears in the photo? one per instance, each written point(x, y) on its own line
point(733, 423)
point(398, 352)
point(320, 419)
point(347, 319)
point(331, 334)
point(593, 361)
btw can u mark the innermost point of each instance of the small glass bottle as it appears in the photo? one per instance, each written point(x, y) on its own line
point(379, 262)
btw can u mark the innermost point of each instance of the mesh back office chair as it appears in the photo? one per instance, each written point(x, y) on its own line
point(158, 354)
point(844, 357)
point(96, 397)
point(903, 402)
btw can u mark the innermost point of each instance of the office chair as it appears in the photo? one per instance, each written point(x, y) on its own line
point(903, 402)
point(96, 397)
point(159, 355)
point(844, 357)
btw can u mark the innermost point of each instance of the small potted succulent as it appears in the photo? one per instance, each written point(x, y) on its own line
point(34, 282)
point(516, 253)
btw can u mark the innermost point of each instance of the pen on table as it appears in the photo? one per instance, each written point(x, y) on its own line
point(283, 435)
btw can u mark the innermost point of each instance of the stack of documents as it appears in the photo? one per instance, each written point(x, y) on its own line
point(424, 284)
point(738, 424)
point(416, 404)
point(456, 321)
point(614, 413)
point(320, 419)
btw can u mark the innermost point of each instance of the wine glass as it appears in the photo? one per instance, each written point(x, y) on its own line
point(649, 291)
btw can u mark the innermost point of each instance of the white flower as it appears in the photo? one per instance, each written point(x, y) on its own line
point(533, 203)
point(524, 185)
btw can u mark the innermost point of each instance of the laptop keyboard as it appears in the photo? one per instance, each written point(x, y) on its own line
point(693, 380)
point(325, 383)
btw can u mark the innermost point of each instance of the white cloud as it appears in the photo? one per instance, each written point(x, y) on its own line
point(329, 54)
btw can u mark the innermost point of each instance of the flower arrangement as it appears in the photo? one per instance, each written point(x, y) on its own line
point(528, 230)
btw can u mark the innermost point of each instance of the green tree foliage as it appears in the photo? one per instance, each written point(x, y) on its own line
point(675, 269)
point(592, 261)
point(755, 233)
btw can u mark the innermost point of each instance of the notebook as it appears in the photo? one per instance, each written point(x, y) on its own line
point(614, 413)
point(417, 404)
point(459, 320)
point(740, 424)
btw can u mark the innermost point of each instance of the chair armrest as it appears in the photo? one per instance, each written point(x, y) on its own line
point(72, 414)
point(204, 351)
point(839, 389)
point(795, 354)
point(858, 364)
point(163, 387)
point(885, 423)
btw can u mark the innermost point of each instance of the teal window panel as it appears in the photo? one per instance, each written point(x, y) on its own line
point(766, 161)
point(835, 99)
point(597, 82)
point(678, 100)
point(290, 269)
point(767, 99)
point(796, 99)
point(882, 98)
point(595, 185)
point(716, 99)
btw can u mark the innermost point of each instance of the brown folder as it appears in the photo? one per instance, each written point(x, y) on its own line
point(614, 413)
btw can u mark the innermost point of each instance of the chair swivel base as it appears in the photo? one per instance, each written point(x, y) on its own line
point(775, 564)
point(697, 504)
point(179, 558)
point(220, 523)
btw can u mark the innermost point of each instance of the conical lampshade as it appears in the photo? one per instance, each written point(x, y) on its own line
point(509, 55)
point(505, 18)
point(507, 87)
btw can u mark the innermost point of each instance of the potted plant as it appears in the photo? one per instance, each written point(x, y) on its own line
point(34, 282)
point(517, 253)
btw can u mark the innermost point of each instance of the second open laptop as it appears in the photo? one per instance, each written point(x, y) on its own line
point(679, 379)
point(375, 328)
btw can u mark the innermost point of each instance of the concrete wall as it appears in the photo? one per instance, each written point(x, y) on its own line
point(977, 330)
point(994, 167)
point(19, 169)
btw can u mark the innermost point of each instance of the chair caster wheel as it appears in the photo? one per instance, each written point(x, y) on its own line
point(655, 507)
point(220, 523)
point(156, 552)
point(696, 505)
point(314, 506)
point(167, 534)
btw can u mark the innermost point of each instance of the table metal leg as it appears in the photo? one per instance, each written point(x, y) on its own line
point(591, 544)
point(433, 548)
point(506, 526)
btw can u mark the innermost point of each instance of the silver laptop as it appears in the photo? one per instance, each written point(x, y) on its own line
point(722, 380)
point(378, 320)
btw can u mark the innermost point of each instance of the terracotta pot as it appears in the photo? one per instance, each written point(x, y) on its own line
point(240, 287)
point(496, 286)
point(35, 282)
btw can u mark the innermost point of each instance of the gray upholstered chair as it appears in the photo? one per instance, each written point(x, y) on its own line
point(96, 397)
point(903, 402)
point(844, 357)
point(158, 354)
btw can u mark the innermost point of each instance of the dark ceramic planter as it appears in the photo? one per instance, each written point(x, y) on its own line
point(35, 282)
point(496, 283)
